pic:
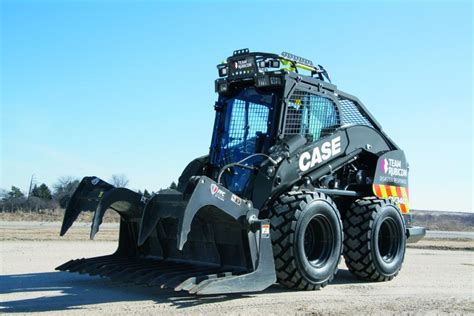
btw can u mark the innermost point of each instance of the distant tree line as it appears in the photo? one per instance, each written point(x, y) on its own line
point(172, 186)
point(41, 197)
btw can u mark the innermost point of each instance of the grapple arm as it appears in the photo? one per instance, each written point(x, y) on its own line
point(209, 242)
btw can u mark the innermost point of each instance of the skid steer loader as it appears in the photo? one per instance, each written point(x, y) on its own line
point(298, 174)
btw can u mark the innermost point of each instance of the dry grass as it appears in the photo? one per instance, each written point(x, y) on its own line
point(447, 221)
point(432, 220)
point(52, 234)
point(48, 233)
point(55, 216)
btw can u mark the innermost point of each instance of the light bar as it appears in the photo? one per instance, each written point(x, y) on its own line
point(297, 59)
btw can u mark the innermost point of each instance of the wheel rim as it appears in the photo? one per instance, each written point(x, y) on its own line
point(388, 239)
point(318, 241)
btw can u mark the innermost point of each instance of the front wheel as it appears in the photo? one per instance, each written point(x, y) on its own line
point(307, 239)
point(375, 239)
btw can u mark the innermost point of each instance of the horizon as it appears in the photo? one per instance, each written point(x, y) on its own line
point(103, 88)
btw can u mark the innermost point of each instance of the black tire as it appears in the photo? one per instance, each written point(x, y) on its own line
point(375, 239)
point(306, 232)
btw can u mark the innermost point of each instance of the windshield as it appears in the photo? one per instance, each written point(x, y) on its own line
point(242, 128)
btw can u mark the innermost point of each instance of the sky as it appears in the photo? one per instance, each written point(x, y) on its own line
point(127, 87)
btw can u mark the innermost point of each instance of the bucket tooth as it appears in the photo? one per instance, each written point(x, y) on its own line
point(159, 280)
point(191, 282)
point(208, 278)
point(156, 278)
point(98, 267)
point(179, 277)
point(110, 269)
point(72, 265)
point(65, 266)
point(140, 276)
point(133, 268)
point(129, 269)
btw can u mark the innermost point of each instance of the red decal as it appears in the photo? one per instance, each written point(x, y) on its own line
point(399, 192)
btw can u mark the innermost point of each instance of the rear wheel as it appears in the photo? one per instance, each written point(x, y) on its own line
point(375, 240)
point(307, 239)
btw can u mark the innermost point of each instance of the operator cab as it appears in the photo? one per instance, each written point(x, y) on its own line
point(250, 112)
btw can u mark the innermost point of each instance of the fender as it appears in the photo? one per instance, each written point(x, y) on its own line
point(391, 179)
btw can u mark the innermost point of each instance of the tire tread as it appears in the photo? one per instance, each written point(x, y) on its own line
point(284, 216)
point(358, 225)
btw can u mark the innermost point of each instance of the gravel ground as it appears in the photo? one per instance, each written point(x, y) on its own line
point(431, 282)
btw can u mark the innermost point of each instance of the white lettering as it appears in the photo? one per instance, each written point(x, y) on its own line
point(328, 150)
point(316, 158)
point(305, 162)
point(336, 145)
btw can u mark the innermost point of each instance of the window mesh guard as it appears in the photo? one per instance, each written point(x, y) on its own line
point(351, 115)
point(310, 115)
point(316, 116)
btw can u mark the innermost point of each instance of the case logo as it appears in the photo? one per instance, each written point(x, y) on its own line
point(320, 153)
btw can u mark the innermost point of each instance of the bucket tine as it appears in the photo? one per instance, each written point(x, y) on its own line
point(65, 266)
point(122, 200)
point(85, 198)
point(176, 279)
point(158, 207)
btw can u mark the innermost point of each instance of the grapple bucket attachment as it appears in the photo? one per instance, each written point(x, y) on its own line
point(208, 242)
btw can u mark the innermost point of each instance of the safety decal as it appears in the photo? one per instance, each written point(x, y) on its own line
point(265, 230)
point(234, 198)
point(398, 194)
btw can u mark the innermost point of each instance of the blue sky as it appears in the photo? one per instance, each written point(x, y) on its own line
point(105, 87)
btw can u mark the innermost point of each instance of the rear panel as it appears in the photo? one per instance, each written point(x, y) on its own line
point(391, 178)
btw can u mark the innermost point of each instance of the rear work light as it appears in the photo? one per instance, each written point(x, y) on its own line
point(222, 70)
point(223, 87)
point(275, 81)
point(267, 80)
point(273, 63)
point(262, 81)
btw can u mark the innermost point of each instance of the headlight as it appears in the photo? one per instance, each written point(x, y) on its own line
point(223, 87)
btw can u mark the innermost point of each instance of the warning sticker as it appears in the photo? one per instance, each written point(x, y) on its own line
point(265, 230)
point(234, 198)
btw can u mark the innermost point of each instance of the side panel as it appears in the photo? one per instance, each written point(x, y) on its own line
point(314, 160)
point(391, 178)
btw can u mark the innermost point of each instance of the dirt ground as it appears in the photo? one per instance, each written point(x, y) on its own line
point(432, 281)
point(48, 231)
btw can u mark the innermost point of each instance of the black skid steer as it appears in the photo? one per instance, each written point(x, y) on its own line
point(298, 174)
